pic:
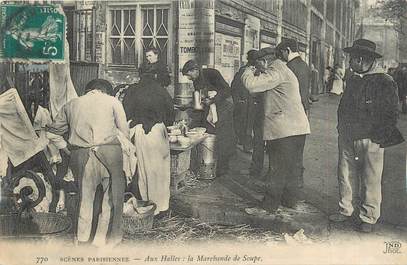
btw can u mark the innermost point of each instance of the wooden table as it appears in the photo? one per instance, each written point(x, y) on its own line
point(181, 162)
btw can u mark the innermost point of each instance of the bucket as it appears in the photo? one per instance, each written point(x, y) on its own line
point(183, 94)
point(207, 168)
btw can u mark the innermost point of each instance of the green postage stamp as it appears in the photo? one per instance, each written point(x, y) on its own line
point(32, 33)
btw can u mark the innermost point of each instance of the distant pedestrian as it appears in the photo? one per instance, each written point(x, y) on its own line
point(337, 83)
point(401, 80)
point(284, 128)
point(367, 117)
point(315, 83)
point(328, 79)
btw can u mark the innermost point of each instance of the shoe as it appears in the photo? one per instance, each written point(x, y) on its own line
point(338, 217)
point(366, 227)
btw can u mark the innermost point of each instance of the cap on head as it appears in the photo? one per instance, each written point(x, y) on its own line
point(266, 52)
point(288, 43)
point(252, 55)
point(188, 66)
point(363, 47)
point(100, 84)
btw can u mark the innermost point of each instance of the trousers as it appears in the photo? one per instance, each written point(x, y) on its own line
point(258, 142)
point(282, 187)
point(94, 168)
point(360, 169)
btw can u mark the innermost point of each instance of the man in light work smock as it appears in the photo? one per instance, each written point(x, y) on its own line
point(284, 128)
point(94, 121)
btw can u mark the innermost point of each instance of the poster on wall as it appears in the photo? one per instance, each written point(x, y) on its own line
point(265, 45)
point(196, 33)
point(227, 51)
point(251, 35)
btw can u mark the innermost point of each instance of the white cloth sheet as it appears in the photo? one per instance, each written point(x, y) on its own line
point(18, 138)
point(61, 88)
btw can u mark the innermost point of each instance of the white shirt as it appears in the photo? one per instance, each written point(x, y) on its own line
point(92, 119)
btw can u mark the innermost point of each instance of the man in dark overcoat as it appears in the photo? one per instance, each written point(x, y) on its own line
point(288, 51)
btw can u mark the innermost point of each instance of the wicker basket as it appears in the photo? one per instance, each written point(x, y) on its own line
point(139, 222)
point(38, 225)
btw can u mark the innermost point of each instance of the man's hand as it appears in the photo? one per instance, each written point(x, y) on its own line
point(61, 201)
point(260, 66)
point(208, 101)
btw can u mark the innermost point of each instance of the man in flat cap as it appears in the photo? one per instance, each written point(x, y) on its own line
point(209, 82)
point(367, 117)
point(284, 128)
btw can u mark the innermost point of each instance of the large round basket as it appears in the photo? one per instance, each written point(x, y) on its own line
point(38, 225)
point(139, 222)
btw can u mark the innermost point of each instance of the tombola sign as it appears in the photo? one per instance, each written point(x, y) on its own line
point(32, 33)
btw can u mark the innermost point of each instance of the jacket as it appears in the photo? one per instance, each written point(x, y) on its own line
point(303, 73)
point(159, 70)
point(284, 113)
point(369, 109)
point(211, 79)
point(148, 103)
point(239, 91)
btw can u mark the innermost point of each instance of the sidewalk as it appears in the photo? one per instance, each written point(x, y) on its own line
point(224, 199)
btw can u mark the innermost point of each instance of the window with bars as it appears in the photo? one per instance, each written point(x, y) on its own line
point(155, 29)
point(122, 39)
point(133, 29)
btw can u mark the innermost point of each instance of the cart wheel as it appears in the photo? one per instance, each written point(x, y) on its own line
point(15, 179)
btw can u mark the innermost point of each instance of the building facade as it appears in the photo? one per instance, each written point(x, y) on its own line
point(385, 36)
point(384, 33)
point(109, 37)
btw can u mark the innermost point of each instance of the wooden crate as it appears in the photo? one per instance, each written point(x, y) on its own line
point(177, 183)
point(180, 161)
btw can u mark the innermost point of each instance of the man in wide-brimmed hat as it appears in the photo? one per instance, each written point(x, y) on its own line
point(367, 117)
point(284, 128)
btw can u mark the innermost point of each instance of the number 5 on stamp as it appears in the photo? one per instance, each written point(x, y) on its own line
point(32, 33)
